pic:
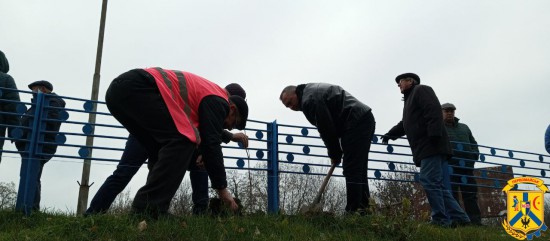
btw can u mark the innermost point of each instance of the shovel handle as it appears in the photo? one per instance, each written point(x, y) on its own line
point(324, 185)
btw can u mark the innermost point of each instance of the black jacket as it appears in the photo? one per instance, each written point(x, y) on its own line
point(331, 109)
point(6, 81)
point(423, 124)
point(51, 126)
point(212, 112)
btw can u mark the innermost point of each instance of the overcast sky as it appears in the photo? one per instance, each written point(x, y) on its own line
point(490, 58)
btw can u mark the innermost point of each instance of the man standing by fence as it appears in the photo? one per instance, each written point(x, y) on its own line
point(53, 106)
point(465, 153)
point(8, 102)
point(171, 113)
point(346, 126)
point(423, 124)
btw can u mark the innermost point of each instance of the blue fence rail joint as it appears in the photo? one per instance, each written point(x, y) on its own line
point(281, 149)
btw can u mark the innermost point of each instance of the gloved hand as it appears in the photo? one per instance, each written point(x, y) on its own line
point(385, 139)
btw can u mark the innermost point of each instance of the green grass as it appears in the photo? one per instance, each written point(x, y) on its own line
point(44, 226)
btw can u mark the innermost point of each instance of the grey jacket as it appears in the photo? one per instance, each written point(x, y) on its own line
point(331, 109)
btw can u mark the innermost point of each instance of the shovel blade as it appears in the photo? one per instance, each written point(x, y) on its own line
point(312, 208)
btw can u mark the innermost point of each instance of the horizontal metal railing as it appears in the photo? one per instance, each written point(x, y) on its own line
point(274, 148)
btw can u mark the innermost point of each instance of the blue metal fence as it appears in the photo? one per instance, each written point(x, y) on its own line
point(280, 148)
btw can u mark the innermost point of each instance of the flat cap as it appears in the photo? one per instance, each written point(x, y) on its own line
point(243, 110)
point(407, 75)
point(448, 106)
point(44, 83)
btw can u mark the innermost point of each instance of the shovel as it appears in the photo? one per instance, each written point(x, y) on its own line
point(316, 206)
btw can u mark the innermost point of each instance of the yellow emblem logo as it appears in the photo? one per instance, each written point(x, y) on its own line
point(525, 217)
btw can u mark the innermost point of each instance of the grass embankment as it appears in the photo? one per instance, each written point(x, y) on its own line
point(43, 226)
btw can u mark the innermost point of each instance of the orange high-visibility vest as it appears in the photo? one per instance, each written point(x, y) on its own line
point(183, 92)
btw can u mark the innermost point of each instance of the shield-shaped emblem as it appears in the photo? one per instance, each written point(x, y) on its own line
point(530, 214)
point(525, 209)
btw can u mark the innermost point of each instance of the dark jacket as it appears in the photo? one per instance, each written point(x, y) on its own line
point(423, 124)
point(6, 81)
point(51, 126)
point(212, 112)
point(226, 136)
point(331, 109)
point(547, 139)
point(459, 132)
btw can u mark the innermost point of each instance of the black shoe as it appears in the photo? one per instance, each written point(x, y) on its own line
point(89, 213)
point(199, 210)
point(456, 224)
point(439, 224)
point(478, 224)
point(145, 214)
point(168, 216)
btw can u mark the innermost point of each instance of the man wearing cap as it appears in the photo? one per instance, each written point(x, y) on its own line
point(465, 153)
point(8, 101)
point(170, 113)
point(346, 126)
point(423, 124)
point(134, 155)
point(54, 106)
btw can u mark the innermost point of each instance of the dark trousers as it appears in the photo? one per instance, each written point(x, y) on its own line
point(2, 134)
point(132, 159)
point(135, 101)
point(356, 142)
point(199, 187)
point(468, 191)
point(37, 193)
point(40, 161)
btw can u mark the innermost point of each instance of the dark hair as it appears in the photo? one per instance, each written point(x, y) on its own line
point(288, 89)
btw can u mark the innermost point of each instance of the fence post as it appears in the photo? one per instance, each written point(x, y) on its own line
point(28, 175)
point(272, 168)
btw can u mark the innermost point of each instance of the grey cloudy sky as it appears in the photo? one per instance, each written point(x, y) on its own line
point(490, 58)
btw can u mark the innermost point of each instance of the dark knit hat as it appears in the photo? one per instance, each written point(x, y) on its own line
point(4, 64)
point(243, 110)
point(407, 75)
point(44, 83)
point(236, 89)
